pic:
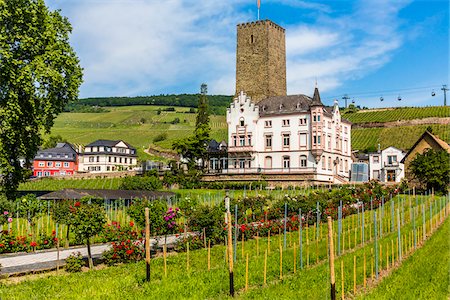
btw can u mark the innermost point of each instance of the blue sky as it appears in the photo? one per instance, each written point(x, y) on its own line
point(366, 49)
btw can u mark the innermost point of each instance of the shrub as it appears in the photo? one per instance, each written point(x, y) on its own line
point(160, 137)
point(126, 247)
point(148, 183)
point(157, 210)
point(74, 262)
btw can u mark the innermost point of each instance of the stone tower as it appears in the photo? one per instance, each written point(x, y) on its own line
point(261, 60)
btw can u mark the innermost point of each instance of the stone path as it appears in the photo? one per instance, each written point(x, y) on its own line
point(45, 260)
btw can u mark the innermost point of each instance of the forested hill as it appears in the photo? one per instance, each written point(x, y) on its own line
point(218, 103)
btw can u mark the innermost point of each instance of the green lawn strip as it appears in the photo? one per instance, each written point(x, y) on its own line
point(424, 275)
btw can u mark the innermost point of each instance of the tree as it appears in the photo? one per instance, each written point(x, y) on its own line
point(62, 214)
point(88, 221)
point(432, 168)
point(193, 148)
point(39, 75)
point(52, 141)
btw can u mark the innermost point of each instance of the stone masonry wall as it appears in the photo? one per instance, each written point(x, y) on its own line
point(261, 60)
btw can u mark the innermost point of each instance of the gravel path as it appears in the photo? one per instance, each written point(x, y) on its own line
point(47, 259)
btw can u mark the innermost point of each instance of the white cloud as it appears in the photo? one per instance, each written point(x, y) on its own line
point(144, 47)
point(343, 48)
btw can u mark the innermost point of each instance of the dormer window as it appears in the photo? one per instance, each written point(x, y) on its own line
point(241, 122)
point(281, 106)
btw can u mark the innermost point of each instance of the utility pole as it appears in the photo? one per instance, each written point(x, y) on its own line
point(346, 97)
point(445, 89)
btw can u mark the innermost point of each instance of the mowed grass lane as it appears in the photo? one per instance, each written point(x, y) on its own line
point(424, 275)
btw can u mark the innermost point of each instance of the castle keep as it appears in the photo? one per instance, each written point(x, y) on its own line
point(261, 60)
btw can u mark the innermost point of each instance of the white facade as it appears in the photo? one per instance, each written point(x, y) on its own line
point(288, 134)
point(385, 165)
point(107, 156)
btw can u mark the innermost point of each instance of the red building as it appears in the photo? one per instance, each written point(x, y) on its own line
point(61, 160)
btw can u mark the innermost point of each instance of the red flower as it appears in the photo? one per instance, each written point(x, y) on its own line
point(131, 223)
point(1, 245)
point(33, 244)
point(45, 242)
point(129, 252)
point(53, 232)
point(77, 204)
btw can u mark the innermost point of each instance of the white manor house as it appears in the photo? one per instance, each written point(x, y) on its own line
point(293, 134)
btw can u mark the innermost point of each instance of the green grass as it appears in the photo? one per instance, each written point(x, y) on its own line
point(127, 281)
point(425, 275)
point(401, 113)
point(48, 184)
point(402, 137)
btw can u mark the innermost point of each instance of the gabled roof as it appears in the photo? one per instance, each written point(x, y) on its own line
point(108, 143)
point(214, 146)
point(277, 105)
point(58, 153)
point(441, 143)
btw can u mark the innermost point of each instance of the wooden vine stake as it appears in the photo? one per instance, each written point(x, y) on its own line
point(165, 259)
point(268, 242)
point(147, 243)
point(246, 272)
point(265, 267)
point(331, 256)
point(209, 255)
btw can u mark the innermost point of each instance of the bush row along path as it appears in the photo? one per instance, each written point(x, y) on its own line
point(47, 259)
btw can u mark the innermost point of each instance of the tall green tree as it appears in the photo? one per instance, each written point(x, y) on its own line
point(39, 75)
point(193, 148)
point(432, 169)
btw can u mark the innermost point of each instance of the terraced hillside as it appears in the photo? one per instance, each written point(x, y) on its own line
point(399, 127)
point(395, 114)
point(139, 125)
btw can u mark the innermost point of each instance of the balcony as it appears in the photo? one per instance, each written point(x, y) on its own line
point(273, 171)
point(392, 164)
point(239, 149)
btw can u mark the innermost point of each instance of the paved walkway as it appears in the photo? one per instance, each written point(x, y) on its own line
point(44, 260)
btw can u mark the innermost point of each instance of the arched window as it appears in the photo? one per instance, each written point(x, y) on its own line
point(324, 162)
point(268, 162)
point(286, 162)
point(303, 161)
point(241, 121)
